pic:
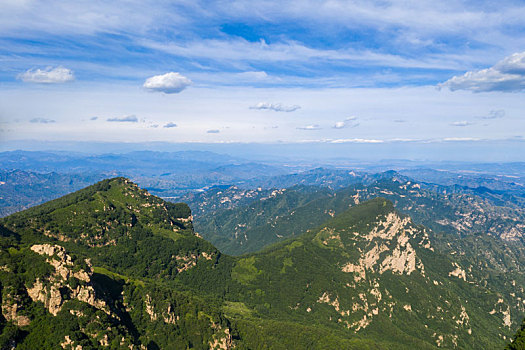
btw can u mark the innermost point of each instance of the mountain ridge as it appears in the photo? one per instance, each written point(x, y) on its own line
point(367, 278)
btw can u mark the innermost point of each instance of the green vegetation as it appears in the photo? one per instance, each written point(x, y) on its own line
point(245, 271)
point(518, 342)
point(367, 278)
point(252, 225)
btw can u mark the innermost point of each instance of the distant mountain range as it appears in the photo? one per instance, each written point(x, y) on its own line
point(30, 178)
point(112, 266)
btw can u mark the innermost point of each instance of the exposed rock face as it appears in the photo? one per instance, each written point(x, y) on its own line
point(387, 248)
point(458, 272)
point(388, 244)
point(150, 310)
point(11, 308)
point(223, 343)
point(167, 316)
point(186, 262)
point(51, 290)
point(69, 344)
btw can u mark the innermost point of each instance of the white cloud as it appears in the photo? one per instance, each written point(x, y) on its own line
point(461, 139)
point(47, 75)
point(461, 123)
point(514, 64)
point(508, 75)
point(356, 141)
point(277, 107)
point(170, 125)
point(125, 119)
point(347, 123)
point(310, 127)
point(42, 121)
point(169, 83)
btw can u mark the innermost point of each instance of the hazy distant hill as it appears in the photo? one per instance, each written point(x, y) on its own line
point(511, 184)
point(22, 189)
point(144, 163)
point(30, 178)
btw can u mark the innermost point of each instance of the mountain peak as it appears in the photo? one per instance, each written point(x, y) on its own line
point(99, 214)
point(363, 213)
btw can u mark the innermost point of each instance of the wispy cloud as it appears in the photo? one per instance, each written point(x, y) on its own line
point(277, 107)
point(213, 131)
point(170, 125)
point(494, 114)
point(47, 75)
point(508, 75)
point(309, 127)
point(253, 75)
point(199, 42)
point(461, 123)
point(42, 121)
point(169, 83)
point(93, 118)
point(125, 119)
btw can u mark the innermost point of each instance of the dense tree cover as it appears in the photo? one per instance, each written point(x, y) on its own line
point(518, 342)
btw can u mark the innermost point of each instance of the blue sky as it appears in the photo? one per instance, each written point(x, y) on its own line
point(262, 71)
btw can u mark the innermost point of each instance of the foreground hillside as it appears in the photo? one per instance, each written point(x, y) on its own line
point(111, 266)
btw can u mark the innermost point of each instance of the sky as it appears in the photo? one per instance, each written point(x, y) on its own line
point(336, 72)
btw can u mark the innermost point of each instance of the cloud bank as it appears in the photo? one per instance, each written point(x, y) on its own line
point(357, 141)
point(47, 75)
point(277, 107)
point(125, 119)
point(508, 75)
point(169, 83)
point(42, 121)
